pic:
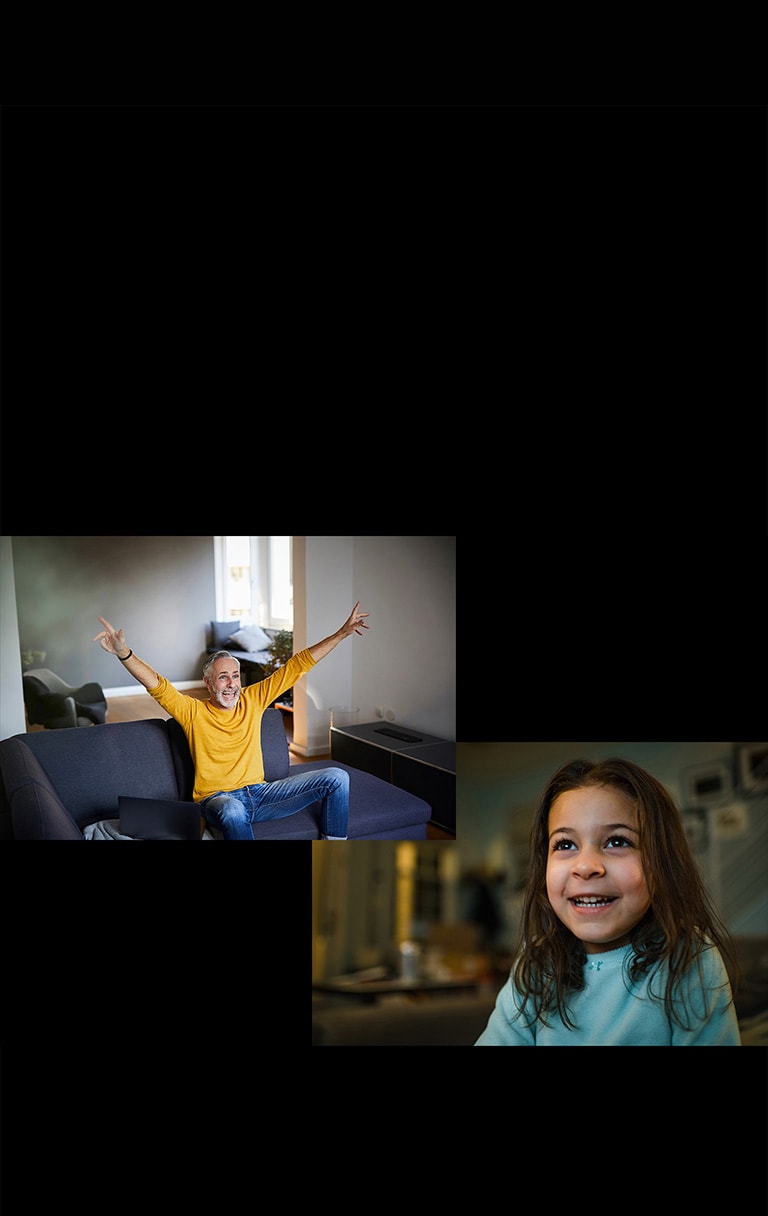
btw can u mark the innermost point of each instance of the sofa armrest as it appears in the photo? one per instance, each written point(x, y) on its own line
point(37, 812)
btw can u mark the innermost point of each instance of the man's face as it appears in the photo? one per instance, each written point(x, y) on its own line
point(223, 683)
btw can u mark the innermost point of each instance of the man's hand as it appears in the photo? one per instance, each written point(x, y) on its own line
point(113, 641)
point(110, 639)
point(355, 621)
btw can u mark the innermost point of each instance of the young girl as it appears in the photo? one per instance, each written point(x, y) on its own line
point(620, 944)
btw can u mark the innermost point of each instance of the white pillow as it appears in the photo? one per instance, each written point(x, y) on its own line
point(250, 637)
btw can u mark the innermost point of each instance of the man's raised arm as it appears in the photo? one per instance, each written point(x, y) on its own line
point(353, 624)
point(113, 641)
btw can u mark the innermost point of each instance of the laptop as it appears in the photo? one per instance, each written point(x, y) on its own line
point(158, 819)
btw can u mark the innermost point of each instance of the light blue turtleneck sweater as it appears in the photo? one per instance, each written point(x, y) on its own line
point(610, 1012)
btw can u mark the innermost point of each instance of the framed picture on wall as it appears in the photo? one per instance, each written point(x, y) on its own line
point(708, 782)
point(752, 767)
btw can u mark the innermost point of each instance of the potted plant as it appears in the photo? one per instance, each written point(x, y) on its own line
point(280, 649)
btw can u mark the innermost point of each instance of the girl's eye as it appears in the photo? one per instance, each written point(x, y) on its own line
point(613, 842)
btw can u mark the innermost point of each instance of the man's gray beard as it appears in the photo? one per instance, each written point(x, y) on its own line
point(227, 705)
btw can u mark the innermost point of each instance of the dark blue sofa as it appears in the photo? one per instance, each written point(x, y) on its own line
point(56, 783)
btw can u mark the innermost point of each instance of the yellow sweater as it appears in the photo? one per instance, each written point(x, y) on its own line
point(226, 743)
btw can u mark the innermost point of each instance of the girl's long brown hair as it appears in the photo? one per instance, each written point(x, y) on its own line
point(680, 922)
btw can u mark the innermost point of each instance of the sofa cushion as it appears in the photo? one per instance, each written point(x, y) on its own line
point(303, 825)
point(383, 813)
point(274, 746)
point(250, 638)
point(182, 759)
point(379, 806)
point(377, 810)
point(89, 768)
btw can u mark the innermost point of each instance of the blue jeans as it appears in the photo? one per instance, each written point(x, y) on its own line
point(233, 812)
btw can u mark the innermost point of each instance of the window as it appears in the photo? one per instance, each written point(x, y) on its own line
point(254, 580)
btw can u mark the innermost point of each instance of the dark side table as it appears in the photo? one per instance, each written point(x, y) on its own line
point(370, 991)
point(422, 764)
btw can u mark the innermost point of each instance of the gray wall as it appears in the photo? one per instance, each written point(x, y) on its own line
point(159, 588)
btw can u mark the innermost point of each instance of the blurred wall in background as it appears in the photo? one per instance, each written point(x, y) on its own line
point(370, 896)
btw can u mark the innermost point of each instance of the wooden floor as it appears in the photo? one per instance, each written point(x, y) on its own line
point(134, 709)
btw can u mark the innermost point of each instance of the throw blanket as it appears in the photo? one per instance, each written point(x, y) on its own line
point(107, 829)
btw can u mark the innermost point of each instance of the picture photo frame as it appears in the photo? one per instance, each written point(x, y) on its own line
point(752, 767)
point(703, 783)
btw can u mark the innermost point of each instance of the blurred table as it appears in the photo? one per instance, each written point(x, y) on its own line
point(370, 990)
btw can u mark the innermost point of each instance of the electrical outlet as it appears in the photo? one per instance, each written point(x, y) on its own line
point(379, 712)
point(390, 716)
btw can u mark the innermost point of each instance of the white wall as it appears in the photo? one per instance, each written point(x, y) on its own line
point(323, 596)
point(406, 662)
point(410, 664)
point(12, 720)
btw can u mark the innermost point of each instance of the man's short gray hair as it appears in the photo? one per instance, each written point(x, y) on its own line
point(220, 654)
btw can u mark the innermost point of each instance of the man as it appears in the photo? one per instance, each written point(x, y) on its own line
point(224, 736)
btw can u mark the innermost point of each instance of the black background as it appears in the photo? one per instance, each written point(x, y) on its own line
point(541, 327)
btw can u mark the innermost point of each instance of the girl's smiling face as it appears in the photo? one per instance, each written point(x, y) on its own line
point(595, 879)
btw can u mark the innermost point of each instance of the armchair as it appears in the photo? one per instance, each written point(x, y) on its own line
point(54, 705)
